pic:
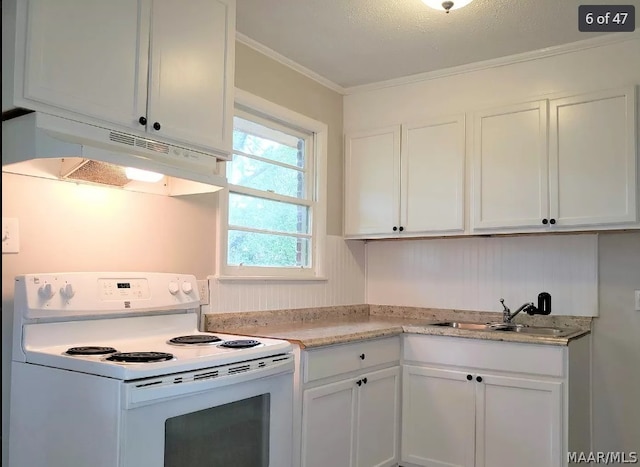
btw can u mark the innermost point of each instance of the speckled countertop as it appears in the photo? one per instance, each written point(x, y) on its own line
point(314, 327)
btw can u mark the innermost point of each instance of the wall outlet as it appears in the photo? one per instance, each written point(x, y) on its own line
point(637, 300)
point(10, 237)
point(203, 290)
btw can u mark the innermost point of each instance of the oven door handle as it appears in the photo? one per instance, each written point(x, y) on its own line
point(152, 390)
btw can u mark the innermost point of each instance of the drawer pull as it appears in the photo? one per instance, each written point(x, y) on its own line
point(479, 379)
point(469, 377)
point(359, 382)
point(361, 356)
point(364, 380)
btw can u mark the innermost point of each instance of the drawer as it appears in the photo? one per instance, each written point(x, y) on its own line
point(517, 357)
point(345, 358)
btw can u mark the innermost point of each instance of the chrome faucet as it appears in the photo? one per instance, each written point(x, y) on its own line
point(507, 316)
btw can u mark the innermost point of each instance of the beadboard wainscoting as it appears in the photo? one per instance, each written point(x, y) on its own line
point(344, 285)
point(474, 273)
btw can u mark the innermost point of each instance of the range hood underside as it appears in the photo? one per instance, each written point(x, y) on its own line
point(51, 147)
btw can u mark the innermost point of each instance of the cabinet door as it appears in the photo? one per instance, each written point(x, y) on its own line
point(372, 182)
point(328, 425)
point(433, 176)
point(510, 176)
point(518, 422)
point(438, 408)
point(191, 79)
point(592, 157)
point(378, 418)
point(86, 56)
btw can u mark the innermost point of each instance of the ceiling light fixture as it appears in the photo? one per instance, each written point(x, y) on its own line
point(447, 5)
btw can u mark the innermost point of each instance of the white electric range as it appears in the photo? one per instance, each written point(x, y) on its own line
point(109, 369)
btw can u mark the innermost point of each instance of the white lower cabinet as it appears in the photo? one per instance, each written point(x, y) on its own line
point(474, 403)
point(352, 420)
point(518, 421)
point(458, 418)
point(438, 413)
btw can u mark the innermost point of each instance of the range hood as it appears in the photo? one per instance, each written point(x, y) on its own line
point(47, 146)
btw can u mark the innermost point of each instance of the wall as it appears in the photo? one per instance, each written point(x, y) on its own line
point(616, 346)
point(474, 273)
point(596, 68)
point(344, 285)
point(271, 80)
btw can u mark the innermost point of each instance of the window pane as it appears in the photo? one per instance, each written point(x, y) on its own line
point(257, 249)
point(252, 173)
point(264, 214)
point(259, 140)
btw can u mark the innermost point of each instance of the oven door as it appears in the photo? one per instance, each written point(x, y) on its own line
point(230, 416)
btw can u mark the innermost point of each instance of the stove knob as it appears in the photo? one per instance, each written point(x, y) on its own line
point(67, 291)
point(173, 288)
point(187, 287)
point(46, 291)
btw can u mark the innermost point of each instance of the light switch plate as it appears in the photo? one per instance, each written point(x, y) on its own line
point(10, 235)
point(637, 300)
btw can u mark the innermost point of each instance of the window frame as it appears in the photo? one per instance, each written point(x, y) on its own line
point(247, 104)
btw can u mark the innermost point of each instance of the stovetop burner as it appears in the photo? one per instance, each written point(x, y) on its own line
point(90, 350)
point(240, 344)
point(196, 339)
point(140, 357)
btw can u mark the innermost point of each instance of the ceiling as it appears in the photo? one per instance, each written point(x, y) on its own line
point(358, 42)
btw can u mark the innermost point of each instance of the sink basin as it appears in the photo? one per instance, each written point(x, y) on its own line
point(461, 325)
point(506, 327)
point(539, 331)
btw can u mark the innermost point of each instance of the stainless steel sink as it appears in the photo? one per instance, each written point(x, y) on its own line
point(461, 325)
point(539, 331)
point(506, 327)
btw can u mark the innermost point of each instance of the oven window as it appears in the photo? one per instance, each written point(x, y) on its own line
point(235, 434)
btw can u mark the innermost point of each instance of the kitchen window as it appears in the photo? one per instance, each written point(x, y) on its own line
point(273, 215)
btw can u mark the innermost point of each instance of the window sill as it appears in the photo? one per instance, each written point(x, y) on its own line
point(269, 278)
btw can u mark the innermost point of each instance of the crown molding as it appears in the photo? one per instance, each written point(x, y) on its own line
point(586, 44)
point(498, 62)
point(264, 50)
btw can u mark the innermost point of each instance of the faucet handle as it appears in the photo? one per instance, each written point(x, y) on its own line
point(506, 308)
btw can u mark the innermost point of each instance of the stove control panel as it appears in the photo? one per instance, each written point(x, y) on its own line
point(94, 293)
point(113, 289)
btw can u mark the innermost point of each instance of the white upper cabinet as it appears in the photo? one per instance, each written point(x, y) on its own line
point(510, 166)
point(190, 84)
point(372, 182)
point(592, 159)
point(88, 57)
point(154, 67)
point(405, 180)
point(432, 180)
point(579, 174)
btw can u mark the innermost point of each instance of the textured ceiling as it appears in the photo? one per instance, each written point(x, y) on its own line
point(356, 42)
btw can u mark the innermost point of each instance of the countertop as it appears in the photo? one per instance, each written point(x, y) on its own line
point(337, 325)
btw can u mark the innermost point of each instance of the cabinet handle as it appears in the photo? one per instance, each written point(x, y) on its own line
point(364, 380)
point(362, 356)
point(552, 221)
point(545, 221)
point(401, 228)
point(479, 379)
point(359, 382)
point(142, 120)
point(469, 377)
point(156, 126)
point(395, 228)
